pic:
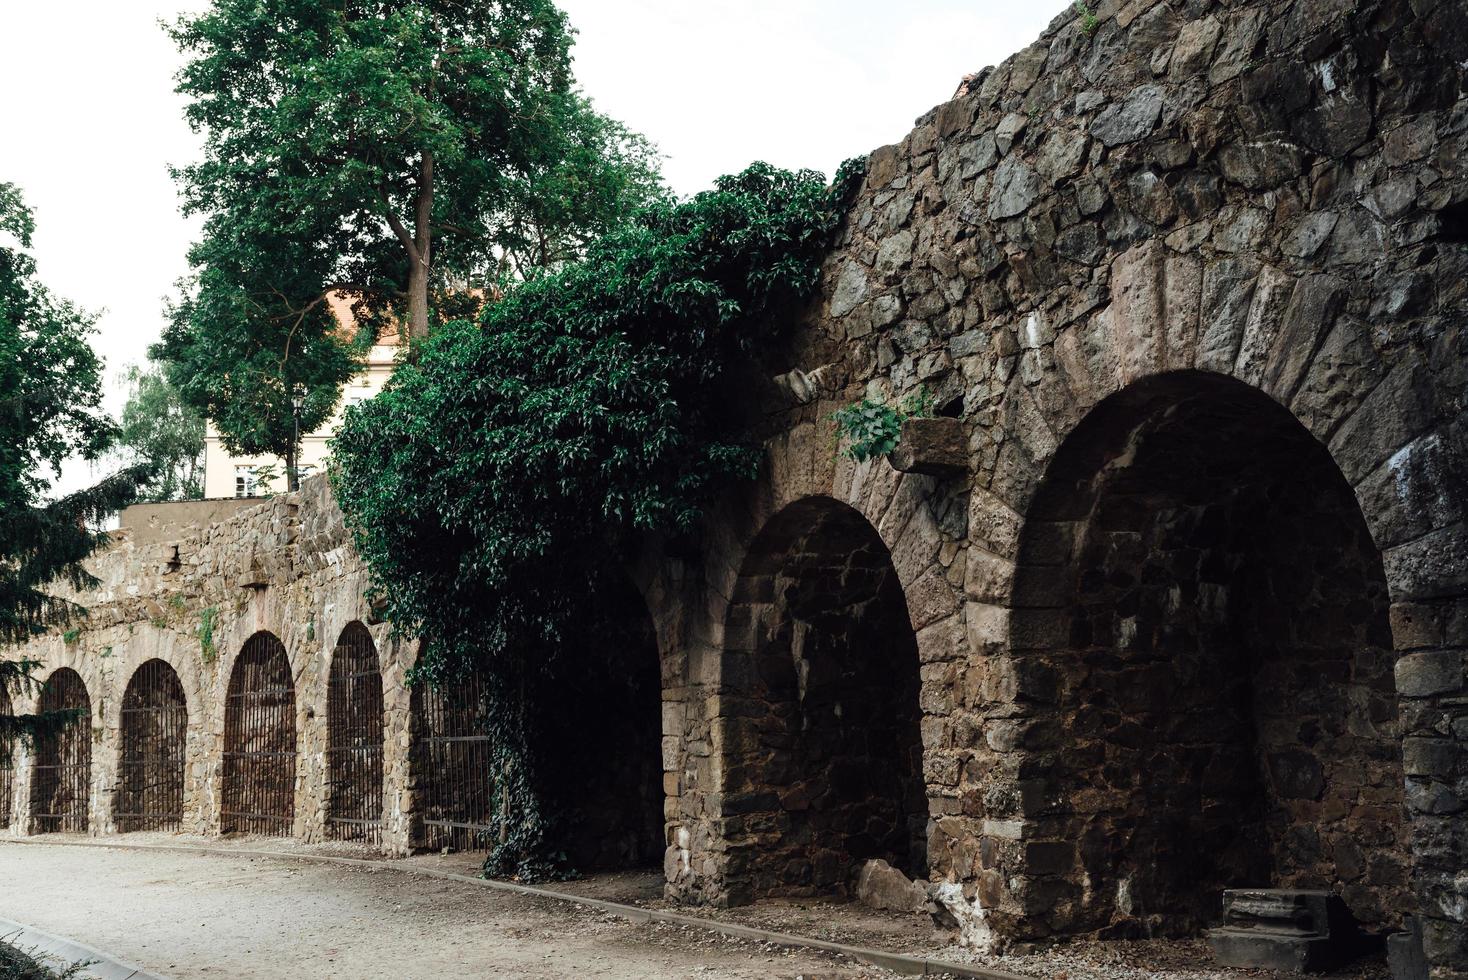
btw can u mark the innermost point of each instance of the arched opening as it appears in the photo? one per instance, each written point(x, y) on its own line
point(61, 781)
point(260, 741)
point(602, 737)
point(150, 772)
point(354, 739)
point(7, 765)
point(823, 755)
point(1201, 638)
point(453, 787)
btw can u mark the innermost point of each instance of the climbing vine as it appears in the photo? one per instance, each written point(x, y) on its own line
point(495, 483)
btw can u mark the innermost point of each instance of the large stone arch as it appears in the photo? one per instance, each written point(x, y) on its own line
point(821, 747)
point(355, 720)
point(61, 764)
point(260, 775)
point(1202, 642)
point(152, 750)
point(919, 521)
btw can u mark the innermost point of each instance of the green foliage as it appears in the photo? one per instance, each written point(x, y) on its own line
point(19, 964)
point(160, 429)
point(386, 151)
point(71, 636)
point(872, 428)
point(50, 410)
point(493, 485)
point(208, 616)
point(1089, 21)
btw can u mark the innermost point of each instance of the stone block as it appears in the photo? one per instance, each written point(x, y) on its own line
point(881, 886)
point(931, 446)
point(1290, 931)
point(1421, 675)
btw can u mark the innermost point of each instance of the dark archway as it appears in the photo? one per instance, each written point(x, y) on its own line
point(1201, 635)
point(823, 754)
point(354, 739)
point(150, 770)
point(602, 736)
point(61, 780)
point(260, 741)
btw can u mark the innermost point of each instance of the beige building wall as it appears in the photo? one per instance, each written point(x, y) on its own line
point(229, 475)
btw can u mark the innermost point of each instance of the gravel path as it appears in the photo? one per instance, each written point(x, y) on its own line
point(204, 915)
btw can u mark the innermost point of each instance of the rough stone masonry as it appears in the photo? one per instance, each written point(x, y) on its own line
point(1189, 278)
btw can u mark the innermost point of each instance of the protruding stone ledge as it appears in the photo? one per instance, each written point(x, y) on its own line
point(934, 447)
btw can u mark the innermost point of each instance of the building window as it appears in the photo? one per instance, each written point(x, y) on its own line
point(244, 481)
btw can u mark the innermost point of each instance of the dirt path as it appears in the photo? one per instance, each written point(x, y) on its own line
point(204, 915)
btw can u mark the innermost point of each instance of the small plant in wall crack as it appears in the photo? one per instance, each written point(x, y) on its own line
point(1089, 21)
point(207, 617)
point(872, 428)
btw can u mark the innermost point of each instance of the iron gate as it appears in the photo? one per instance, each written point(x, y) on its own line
point(61, 782)
point(354, 739)
point(453, 783)
point(260, 741)
point(150, 773)
point(7, 767)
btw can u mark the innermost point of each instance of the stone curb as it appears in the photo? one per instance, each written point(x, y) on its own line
point(99, 964)
point(896, 962)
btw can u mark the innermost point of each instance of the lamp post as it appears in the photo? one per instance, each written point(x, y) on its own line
point(292, 467)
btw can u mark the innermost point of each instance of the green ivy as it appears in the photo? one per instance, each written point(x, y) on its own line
point(872, 428)
point(495, 484)
point(205, 631)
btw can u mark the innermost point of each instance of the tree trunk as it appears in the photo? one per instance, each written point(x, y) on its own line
point(418, 301)
point(292, 481)
point(423, 247)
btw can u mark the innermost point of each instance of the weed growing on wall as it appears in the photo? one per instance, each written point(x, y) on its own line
point(872, 428)
point(493, 485)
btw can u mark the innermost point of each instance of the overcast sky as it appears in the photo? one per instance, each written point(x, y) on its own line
point(89, 122)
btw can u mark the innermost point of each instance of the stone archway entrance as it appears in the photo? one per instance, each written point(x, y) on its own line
point(61, 779)
point(822, 750)
point(150, 770)
point(260, 741)
point(1201, 619)
point(354, 739)
point(611, 784)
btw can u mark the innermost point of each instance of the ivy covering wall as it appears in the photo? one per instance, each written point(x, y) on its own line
point(494, 485)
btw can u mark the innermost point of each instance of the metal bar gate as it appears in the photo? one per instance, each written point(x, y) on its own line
point(354, 739)
point(453, 782)
point(61, 781)
point(260, 741)
point(150, 772)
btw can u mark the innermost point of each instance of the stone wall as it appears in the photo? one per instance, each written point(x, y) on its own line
point(1191, 279)
point(283, 567)
point(1269, 194)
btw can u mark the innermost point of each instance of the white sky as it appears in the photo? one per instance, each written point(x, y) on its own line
point(89, 122)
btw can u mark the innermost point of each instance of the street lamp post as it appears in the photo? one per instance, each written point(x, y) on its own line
point(292, 469)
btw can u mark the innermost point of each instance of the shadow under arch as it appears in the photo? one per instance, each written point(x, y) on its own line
point(61, 777)
point(1200, 626)
point(259, 741)
point(154, 728)
point(822, 751)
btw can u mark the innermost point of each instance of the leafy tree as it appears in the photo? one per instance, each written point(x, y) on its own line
point(50, 397)
point(244, 349)
point(493, 485)
point(403, 145)
point(158, 428)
